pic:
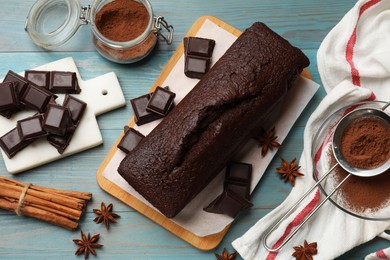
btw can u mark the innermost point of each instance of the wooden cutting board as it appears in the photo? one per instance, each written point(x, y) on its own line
point(102, 94)
point(206, 242)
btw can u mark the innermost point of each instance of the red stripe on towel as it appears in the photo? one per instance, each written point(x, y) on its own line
point(310, 206)
point(352, 41)
point(381, 254)
point(356, 81)
point(296, 221)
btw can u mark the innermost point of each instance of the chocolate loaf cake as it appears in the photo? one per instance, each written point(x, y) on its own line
point(224, 110)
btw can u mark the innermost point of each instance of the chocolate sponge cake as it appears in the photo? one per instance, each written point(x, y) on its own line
point(224, 110)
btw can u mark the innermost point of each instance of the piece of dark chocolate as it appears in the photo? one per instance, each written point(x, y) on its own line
point(64, 82)
point(239, 172)
point(228, 203)
point(60, 142)
point(31, 127)
point(197, 52)
point(21, 83)
point(8, 97)
point(130, 139)
point(236, 193)
point(199, 46)
point(196, 67)
point(211, 208)
point(57, 120)
point(39, 78)
point(161, 101)
point(7, 113)
point(36, 97)
point(76, 108)
point(241, 189)
point(143, 116)
point(11, 143)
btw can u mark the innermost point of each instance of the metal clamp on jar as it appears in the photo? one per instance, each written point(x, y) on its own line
point(52, 23)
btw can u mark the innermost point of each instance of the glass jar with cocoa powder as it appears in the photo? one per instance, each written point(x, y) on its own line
point(124, 31)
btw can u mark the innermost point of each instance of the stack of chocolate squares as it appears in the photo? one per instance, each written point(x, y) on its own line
point(152, 106)
point(236, 194)
point(198, 52)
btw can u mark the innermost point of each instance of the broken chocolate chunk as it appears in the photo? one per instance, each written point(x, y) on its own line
point(60, 142)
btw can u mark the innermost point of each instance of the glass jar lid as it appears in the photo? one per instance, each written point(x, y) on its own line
point(51, 23)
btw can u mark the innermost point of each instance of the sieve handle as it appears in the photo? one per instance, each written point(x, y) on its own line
point(290, 211)
point(385, 106)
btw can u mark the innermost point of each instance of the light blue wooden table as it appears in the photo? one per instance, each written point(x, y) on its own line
point(303, 22)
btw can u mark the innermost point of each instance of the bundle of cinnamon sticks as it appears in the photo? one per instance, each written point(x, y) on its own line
point(59, 207)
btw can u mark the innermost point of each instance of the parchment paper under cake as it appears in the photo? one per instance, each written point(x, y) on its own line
point(192, 217)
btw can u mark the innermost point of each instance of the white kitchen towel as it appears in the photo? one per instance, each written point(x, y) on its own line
point(354, 65)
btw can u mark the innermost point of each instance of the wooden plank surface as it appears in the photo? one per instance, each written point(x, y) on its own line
point(303, 22)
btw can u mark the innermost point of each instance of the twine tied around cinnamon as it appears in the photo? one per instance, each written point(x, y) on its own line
point(21, 199)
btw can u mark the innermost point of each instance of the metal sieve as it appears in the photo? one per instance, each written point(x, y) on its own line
point(336, 141)
point(352, 116)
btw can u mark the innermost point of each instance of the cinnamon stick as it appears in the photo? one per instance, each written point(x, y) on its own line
point(52, 197)
point(39, 214)
point(84, 196)
point(31, 199)
point(59, 207)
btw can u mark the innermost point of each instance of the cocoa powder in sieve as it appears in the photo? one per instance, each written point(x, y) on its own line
point(365, 143)
point(122, 20)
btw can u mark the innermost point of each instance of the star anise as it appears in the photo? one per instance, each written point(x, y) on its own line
point(289, 171)
point(87, 244)
point(106, 215)
point(225, 255)
point(306, 251)
point(267, 140)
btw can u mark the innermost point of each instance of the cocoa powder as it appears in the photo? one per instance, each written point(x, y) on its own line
point(365, 143)
point(122, 20)
point(127, 55)
point(360, 194)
